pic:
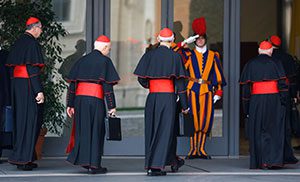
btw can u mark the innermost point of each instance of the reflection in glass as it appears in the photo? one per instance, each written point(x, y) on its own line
point(134, 24)
point(74, 44)
point(62, 9)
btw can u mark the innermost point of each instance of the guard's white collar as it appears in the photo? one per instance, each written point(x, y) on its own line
point(201, 49)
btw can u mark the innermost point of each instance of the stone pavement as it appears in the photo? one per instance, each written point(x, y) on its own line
point(131, 169)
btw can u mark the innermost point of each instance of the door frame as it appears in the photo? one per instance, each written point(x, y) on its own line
point(98, 22)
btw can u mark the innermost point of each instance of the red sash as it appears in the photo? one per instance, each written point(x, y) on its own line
point(161, 85)
point(90, 89)
point(265, 87)
point(20, 72)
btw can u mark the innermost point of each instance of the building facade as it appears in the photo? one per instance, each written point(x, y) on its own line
point(233, 26)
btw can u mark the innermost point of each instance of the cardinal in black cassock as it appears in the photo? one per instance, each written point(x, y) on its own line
point(26, 61)
point(4, 92)
point(91, 79)
point(289, 67)
point(264, 93)
point(161, 70)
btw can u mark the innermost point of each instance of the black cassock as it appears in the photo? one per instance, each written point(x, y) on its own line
point(160, 110)
point(289, 66)
point(4, 92)
point(267, 126)
point(94, 69)
point(26, 61)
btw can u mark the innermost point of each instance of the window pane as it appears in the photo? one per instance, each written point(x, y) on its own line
point(213, 11)
point(62, 9)
point(134, 24)
point(74, 44)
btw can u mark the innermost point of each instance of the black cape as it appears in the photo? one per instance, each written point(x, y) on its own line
point(4, 80)
point(87, 69)
point(160, 109)
point(289, 66)
point(28, 51)
point(155, 64)
point(267, 127)
point(287, 62)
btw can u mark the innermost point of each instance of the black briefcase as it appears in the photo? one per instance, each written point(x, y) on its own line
point(8, 121)
point(295, 120)
point(186, 125)
point(6, 134)
point(246, 130)
point(6, 140)
point(113, 128)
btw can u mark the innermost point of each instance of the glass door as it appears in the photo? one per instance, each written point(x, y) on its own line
point(133, 26)
point(213, 12)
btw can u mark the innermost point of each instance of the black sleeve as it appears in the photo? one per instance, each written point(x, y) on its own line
point(293, 86)
point(298, 78)
point(144, 82)
point(246, 94)
point(7, 87)
point(181, 91)
point(71, 94)
point(34, 74)
point(109, 95)
point(283, 91)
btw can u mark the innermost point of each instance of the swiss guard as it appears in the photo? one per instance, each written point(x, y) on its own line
point(204, 89)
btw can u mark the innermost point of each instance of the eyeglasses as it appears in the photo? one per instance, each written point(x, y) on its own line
point(40, 27)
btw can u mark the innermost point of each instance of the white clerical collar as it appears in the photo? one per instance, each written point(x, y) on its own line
point(201, 49)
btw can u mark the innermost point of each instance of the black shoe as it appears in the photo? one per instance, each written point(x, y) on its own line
point(100, 170)
point(207, 157)
point(33, 165)
point(24, 167)
point(191, 157)
point(156, 172)
point(297, 148)
point(86, 167)
point(274, 167)
point(180, 163)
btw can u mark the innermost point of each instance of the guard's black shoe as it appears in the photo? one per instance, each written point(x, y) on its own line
point(33, 165)
point(100, 170)
point(156, 172)
point(191, 157)
point(24, 167)
point(207, 157)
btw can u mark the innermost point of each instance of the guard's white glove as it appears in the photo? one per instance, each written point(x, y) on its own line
point(216, 98)
point(177, 99)
point(189, 40)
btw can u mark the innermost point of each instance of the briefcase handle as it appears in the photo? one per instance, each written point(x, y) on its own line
point(112, 116)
